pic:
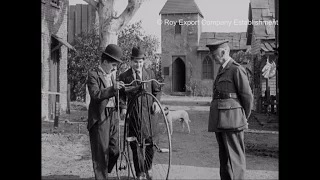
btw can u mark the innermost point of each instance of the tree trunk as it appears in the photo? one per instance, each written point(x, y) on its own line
point(109, 25)
point(106, 38)
point(107, 28)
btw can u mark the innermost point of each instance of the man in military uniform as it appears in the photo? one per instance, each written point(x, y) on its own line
point(230, 108)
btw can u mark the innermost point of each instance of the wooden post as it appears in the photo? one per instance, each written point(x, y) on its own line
point(267, 96)
point(68, 99)
point(57, 112)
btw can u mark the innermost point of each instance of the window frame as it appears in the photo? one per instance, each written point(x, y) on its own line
point(207, 71)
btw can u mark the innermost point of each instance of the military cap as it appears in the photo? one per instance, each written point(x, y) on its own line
point(217, 44)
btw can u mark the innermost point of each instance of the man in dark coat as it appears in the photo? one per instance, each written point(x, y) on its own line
point(102, 113)
point(137, 71)
point(230, 108)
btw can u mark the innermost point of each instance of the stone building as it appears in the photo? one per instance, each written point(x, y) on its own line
point(185, 61)
point(54, 56)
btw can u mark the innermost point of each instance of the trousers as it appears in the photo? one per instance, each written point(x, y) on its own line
point(104, 145)
point(231, 155)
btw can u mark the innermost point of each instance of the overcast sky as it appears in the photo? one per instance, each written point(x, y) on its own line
point(218, 11)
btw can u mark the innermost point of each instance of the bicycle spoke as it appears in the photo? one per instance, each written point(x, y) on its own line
point(149, 115)
point(134, 121)
point(151, 131)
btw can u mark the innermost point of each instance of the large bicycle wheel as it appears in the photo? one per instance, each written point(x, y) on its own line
point(147, 134)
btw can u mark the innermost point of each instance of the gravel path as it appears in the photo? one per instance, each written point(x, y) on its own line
point(194, 155)
point(67, 157)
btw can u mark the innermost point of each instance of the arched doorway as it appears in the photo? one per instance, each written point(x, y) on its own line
point(178, 75)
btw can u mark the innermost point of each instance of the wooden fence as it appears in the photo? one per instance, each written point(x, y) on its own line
point(81, 18)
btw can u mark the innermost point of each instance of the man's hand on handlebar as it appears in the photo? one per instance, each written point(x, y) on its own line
point(118, 85)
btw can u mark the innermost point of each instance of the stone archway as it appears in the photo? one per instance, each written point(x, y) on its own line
point(178, 75)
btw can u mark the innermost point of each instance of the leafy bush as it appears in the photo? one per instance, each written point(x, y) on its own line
point(87, 56)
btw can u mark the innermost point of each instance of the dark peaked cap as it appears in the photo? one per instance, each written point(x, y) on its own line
point(217, 44)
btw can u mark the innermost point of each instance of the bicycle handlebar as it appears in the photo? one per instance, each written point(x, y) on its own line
point(137, 80)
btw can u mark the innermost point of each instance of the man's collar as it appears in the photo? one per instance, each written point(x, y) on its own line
point(225, 63)
point(103, 72)
point(134, 71)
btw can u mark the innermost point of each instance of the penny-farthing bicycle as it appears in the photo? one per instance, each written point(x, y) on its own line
point(148, 132)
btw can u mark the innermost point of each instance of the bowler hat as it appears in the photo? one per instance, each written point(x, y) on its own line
point(217, 44)
point(113, 51)
point(137, 53)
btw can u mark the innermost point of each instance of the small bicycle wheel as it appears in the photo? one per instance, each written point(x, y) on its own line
point(148, 135)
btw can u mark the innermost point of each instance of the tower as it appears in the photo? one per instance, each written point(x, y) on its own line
point(180, 34)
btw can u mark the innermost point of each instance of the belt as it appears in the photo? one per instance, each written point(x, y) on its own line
point(223, 95)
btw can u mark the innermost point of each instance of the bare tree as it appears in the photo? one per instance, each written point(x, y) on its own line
point(109, 23)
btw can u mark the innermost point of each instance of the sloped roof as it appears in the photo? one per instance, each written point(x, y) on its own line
point(263, 11)
point(180, 6)
point(237, 41)
point(268, 46)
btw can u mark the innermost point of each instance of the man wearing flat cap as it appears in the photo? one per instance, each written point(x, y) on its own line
point(230, 108)
point(138, 72)
point(102, 113)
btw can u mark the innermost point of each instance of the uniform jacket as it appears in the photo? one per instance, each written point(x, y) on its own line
point(99, 95)
point(232, 79)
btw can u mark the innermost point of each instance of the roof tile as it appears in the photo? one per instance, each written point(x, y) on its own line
point(263, 47)
point(256, 14)
point(268, 46)
point(260, 30)
point(180, 6)
point(236, 40)
point(270, 29)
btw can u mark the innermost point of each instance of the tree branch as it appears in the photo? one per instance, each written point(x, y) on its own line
point(128, 13)
point(93, 3)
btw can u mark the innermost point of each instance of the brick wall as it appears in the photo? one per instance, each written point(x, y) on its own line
point(54, 21)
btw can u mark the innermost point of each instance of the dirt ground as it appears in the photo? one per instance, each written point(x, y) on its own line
point(66, 151)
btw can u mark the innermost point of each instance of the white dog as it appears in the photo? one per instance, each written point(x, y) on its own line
point(180, 115)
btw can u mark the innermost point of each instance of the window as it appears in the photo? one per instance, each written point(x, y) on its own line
point(177, 29)
point(55, 3)
point(207, 72)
